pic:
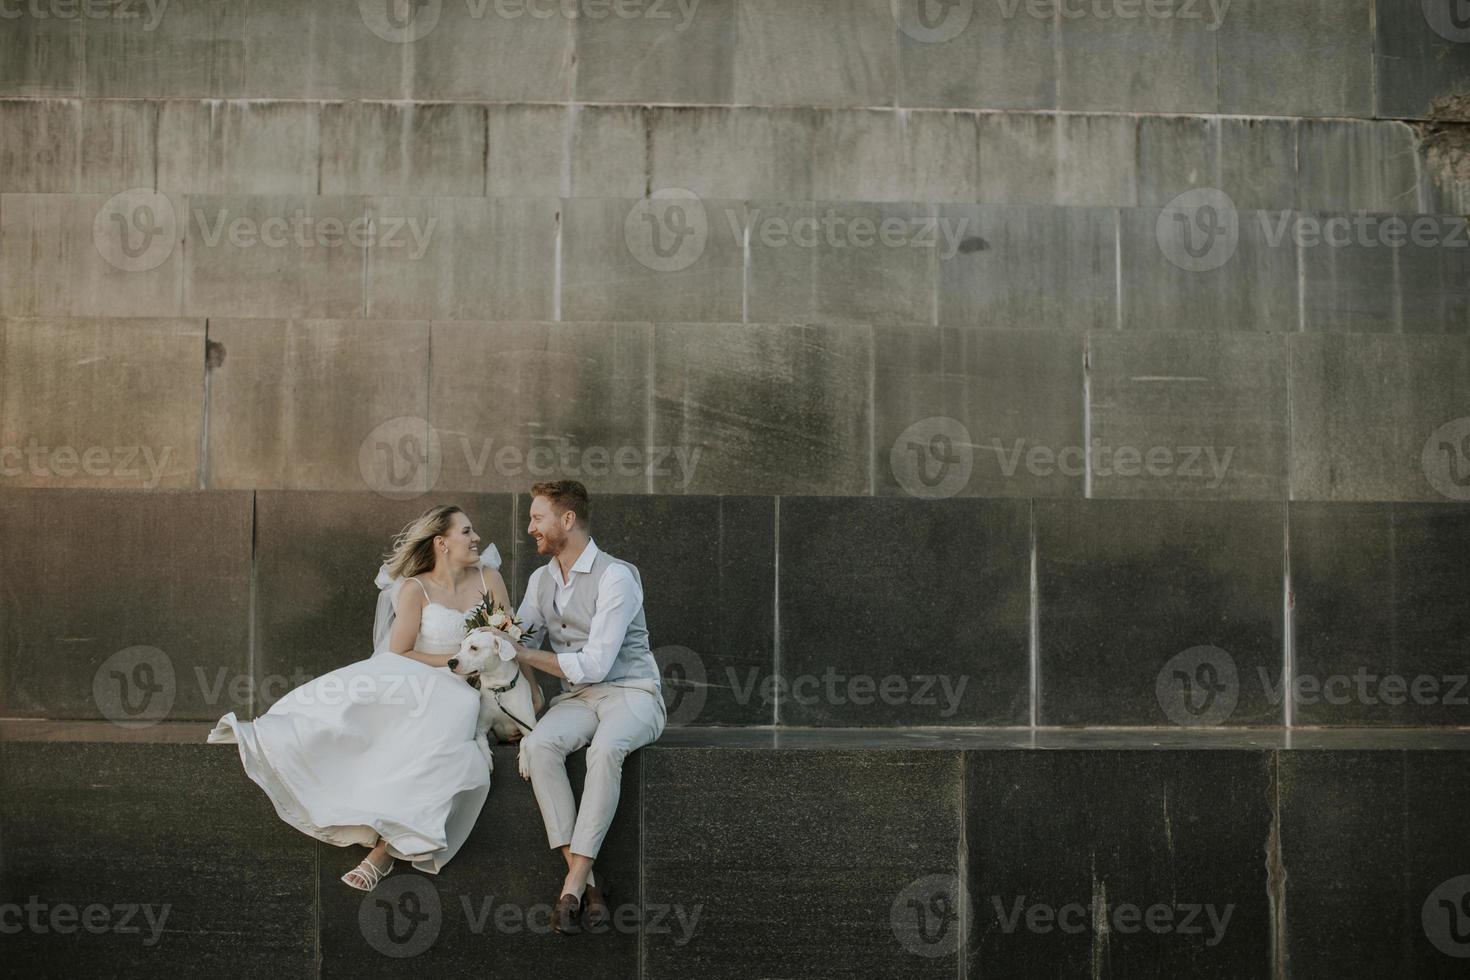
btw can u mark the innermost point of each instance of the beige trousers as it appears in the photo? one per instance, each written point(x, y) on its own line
point(610, 719)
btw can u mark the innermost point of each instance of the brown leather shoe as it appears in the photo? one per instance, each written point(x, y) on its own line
point(565, 917)
point(595, 911)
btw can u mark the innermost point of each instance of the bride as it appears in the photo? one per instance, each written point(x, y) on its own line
point(382, 752)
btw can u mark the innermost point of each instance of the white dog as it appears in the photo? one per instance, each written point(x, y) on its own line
point(507, 708)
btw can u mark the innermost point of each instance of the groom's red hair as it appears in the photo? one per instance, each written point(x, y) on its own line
point(565, 495)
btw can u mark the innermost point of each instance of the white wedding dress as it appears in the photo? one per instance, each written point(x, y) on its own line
point(384, 747)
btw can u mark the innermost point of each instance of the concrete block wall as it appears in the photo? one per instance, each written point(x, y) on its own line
point(776, 234)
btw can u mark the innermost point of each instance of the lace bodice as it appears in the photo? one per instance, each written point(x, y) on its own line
point(440, 629)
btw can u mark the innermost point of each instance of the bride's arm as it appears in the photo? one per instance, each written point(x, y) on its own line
point(405, 630)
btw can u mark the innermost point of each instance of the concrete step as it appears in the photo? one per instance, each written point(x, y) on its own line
point(852, 854)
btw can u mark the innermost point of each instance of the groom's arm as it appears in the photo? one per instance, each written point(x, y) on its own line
point(618, 600)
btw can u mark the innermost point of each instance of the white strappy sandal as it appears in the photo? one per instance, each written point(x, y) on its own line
point(369, 872)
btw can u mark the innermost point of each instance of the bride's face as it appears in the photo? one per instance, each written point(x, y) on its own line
point(461, 542)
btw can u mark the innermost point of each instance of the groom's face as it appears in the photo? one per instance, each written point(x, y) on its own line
point(547, 527)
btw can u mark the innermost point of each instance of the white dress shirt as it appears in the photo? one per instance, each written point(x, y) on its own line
point(619, 598)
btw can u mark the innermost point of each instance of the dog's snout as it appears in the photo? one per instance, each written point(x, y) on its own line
point(453, 662)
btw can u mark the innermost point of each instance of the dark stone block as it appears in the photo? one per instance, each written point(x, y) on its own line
point(1380, 613)
point(708, 571)
point(799, 863)
point(102, 834)
point(889, 606)
point(1375, 857)
point(490, 907)
point(1179, 830)
point(1130, 591)
point(317, 556)
point(105, 591)
point(768, 408)
point(1417, 60)
point(995, 395)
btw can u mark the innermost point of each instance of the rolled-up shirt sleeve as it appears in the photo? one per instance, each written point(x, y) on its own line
point(618, 600)
point(530, 615)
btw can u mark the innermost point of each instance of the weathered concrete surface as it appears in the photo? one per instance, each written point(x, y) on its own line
point(103, 403)
point(418, 149)
point(1307, 58)
point(296, 405)
point(236, 147)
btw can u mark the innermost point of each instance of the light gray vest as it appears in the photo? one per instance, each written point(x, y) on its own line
point(568, 627)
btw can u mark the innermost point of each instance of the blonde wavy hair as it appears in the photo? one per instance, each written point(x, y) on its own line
point(413, 548)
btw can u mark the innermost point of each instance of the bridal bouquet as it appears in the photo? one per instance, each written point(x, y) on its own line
point(492, 614)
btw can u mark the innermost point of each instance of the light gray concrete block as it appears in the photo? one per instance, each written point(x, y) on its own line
point(1349, 280)
point(1176, 154)
point(1358, 166)
point(403, 149)
point(174, 50)
point(1299, 58)
point(292, 402)
point(104, 403)
point(119, 146)
point(1364, 409)
point(1248, 286)
point(516, 402)
point(39, 142)
point(91, 255)
point(1009, 391)
point(41, 57)
point(464, 259)
point(974, 56)
point(241, 147)
point(1420, 54)
point(527, 150)
point(1157, 57)
point(281, 256)
point(1185, 415)
point(496, 53)
point(1258, 162)
point(1096, 160)
point(1030, 267)
point(1070, 159)
point(816, 53)
point(741, 153)
point(657, 52)
point(328, 51)
point(844, 262)
point(879, 155)
point(652, 259)
point(609, 151)
point(769, 408)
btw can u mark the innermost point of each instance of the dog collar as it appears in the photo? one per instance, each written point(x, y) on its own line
point(502, 690)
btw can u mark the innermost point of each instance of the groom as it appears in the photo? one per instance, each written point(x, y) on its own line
point(591, 605)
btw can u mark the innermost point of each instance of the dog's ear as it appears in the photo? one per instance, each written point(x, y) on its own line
point(507, 652)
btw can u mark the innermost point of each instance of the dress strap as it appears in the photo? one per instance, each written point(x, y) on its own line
point(421, 588)
point(482, 579)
